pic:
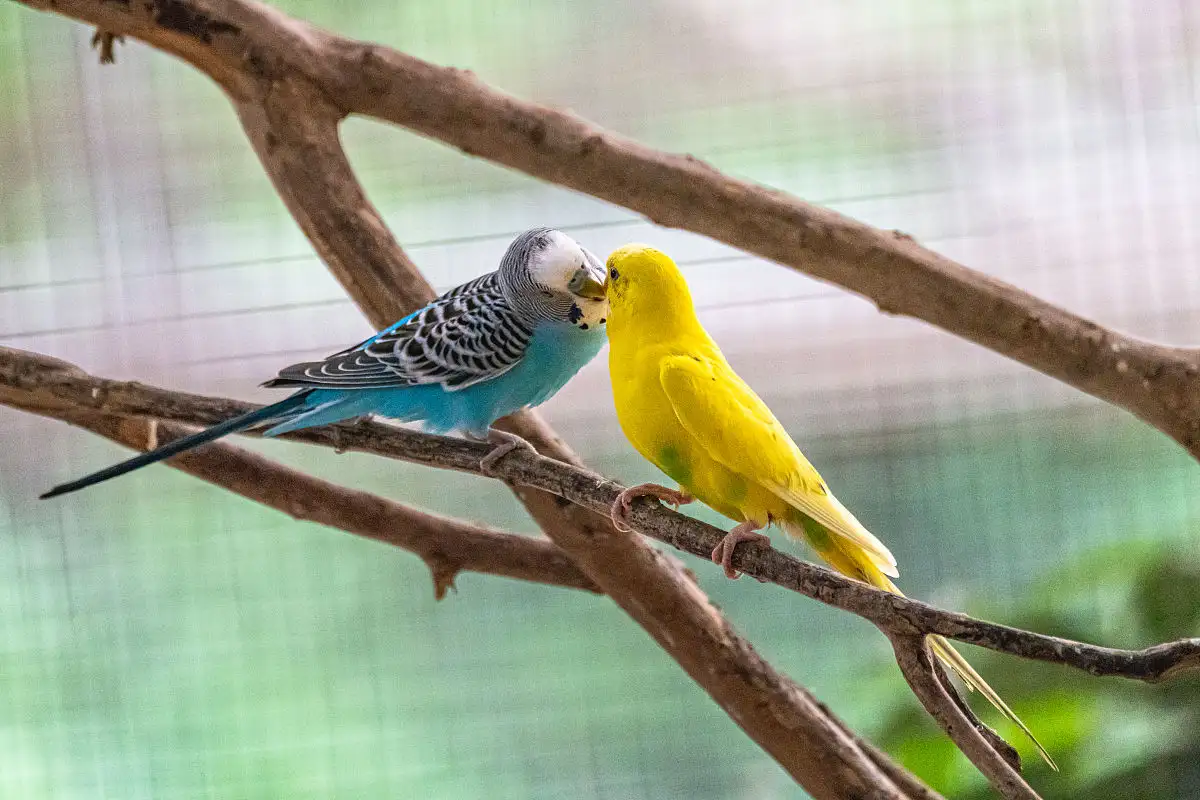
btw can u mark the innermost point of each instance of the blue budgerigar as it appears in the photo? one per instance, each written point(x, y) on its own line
point(504, 341)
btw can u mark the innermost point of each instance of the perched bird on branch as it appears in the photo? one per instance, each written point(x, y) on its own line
point(684, 408)
point(504, 341)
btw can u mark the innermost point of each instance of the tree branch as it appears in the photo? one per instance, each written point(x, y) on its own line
point(244, 45)
point(447, 546)
point(52, 387)
point(922, 674)
point(908, 783)
point(294, 130)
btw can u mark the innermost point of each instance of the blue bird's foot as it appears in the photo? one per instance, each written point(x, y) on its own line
point(505, 443)
point(624, 502)
point(744, 532)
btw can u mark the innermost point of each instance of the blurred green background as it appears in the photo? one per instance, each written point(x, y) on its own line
point(163, 639)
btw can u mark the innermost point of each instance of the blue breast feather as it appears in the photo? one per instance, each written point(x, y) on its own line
point(555, 353)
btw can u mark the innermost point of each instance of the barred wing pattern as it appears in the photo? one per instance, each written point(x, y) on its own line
point(469, 335)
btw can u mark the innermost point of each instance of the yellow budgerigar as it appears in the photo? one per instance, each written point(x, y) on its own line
point(685, 409)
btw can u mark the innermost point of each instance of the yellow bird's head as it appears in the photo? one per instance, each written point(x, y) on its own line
point(647, 295)
point(644, 282)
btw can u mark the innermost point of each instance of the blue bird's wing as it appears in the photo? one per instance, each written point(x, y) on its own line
point(468, 335)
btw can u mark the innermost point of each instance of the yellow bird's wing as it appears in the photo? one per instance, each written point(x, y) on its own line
point(737, 429)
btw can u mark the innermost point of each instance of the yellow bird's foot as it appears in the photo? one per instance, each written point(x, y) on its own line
point(745, 532)
point(624, 502)
point(505, 443)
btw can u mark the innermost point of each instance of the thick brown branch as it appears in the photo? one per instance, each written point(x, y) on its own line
point(294, 130)
point(49, 386)
point(921, 673)
point(244, 45)
point(447, 546)
point(908, 783)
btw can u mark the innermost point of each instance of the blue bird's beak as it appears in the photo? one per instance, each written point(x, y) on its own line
point(585, 284)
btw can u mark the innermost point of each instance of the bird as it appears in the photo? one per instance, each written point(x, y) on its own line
point(682, 406)
point(504, 341)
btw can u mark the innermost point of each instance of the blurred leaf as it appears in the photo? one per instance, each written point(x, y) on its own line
point(1167, 596)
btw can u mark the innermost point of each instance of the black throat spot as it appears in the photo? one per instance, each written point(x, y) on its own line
point(575, 314)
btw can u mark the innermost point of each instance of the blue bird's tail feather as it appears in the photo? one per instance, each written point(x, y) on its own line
point(240, 423)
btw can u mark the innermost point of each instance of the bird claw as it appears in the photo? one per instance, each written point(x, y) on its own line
point(722, 554)
point(505, 443)
point(623, 505)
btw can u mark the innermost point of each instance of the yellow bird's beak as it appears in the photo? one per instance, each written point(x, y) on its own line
point(584, 284)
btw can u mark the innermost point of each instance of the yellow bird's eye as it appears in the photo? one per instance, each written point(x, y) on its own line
point(613, 274)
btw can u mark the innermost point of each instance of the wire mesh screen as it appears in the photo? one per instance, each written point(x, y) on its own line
point(164, 639)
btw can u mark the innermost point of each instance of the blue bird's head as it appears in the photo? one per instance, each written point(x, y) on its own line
point(547, 276)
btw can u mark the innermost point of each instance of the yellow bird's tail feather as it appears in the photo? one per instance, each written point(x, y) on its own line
point(973, 680)
point(963, 669)
point(842, 555)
